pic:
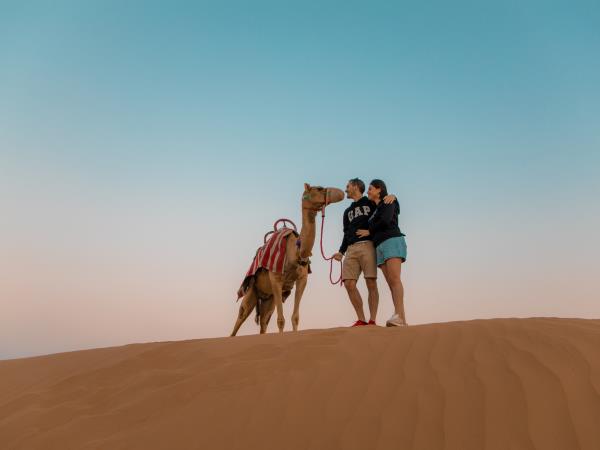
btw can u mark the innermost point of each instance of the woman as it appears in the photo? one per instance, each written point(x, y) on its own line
point(390, 246)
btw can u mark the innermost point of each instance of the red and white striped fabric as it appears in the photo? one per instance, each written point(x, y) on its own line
point(271, 256)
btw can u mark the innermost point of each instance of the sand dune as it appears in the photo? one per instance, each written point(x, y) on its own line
point(486, 384)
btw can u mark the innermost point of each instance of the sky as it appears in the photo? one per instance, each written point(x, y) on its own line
point(146, 147)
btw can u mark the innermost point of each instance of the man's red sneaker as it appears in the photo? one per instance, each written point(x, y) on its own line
point(359, 323)
point(371, 322)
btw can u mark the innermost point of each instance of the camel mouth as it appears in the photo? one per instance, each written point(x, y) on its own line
point(334, 195)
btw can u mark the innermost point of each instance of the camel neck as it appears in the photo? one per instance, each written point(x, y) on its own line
point(307, 233)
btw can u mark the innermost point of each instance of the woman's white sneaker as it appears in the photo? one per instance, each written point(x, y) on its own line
point(395, 321)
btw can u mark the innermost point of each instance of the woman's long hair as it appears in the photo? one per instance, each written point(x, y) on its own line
point(379, 184)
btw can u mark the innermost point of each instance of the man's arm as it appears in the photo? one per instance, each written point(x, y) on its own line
point(338, 256)
point(344, 245)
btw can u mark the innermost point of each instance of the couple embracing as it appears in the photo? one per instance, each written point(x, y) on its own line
point(372, 239)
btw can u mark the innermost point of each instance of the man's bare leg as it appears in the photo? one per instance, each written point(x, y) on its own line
point(373, 297)
point(355, 298)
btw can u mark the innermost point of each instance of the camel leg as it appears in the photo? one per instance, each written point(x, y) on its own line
point(277, 286)
point(248, 304)
point(267, 309)
point(300, 285)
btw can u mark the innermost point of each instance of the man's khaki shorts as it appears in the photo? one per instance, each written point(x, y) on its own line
point(360, 257)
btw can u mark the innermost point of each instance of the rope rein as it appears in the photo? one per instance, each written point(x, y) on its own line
point(330, 259)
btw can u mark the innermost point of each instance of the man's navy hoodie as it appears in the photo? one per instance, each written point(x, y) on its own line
point(356, 217)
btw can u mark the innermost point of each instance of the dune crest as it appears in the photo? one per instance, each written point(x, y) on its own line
point(483, 384)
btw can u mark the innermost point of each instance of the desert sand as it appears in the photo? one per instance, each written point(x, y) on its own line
point(484, 384)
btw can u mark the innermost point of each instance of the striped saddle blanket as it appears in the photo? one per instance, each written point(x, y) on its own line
point(270, 256)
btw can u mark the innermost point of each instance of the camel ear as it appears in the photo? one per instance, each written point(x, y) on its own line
point(306, 187)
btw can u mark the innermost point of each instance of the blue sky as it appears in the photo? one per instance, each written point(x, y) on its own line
point(159, 140)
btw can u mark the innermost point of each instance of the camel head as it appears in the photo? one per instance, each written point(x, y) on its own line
point(315, 197)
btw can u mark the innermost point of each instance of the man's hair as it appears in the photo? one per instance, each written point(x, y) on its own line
point(360, 184)
point(379, 184)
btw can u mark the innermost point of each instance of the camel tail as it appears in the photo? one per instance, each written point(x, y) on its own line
point(247, 284)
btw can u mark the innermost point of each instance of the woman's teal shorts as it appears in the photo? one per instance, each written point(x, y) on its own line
point(391, 248)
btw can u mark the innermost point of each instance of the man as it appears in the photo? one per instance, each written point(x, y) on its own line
point(358, 252)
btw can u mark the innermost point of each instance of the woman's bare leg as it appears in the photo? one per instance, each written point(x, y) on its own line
point(373, 297)
point(391, 270)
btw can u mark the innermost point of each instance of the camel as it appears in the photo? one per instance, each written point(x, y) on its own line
point(267, 290)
